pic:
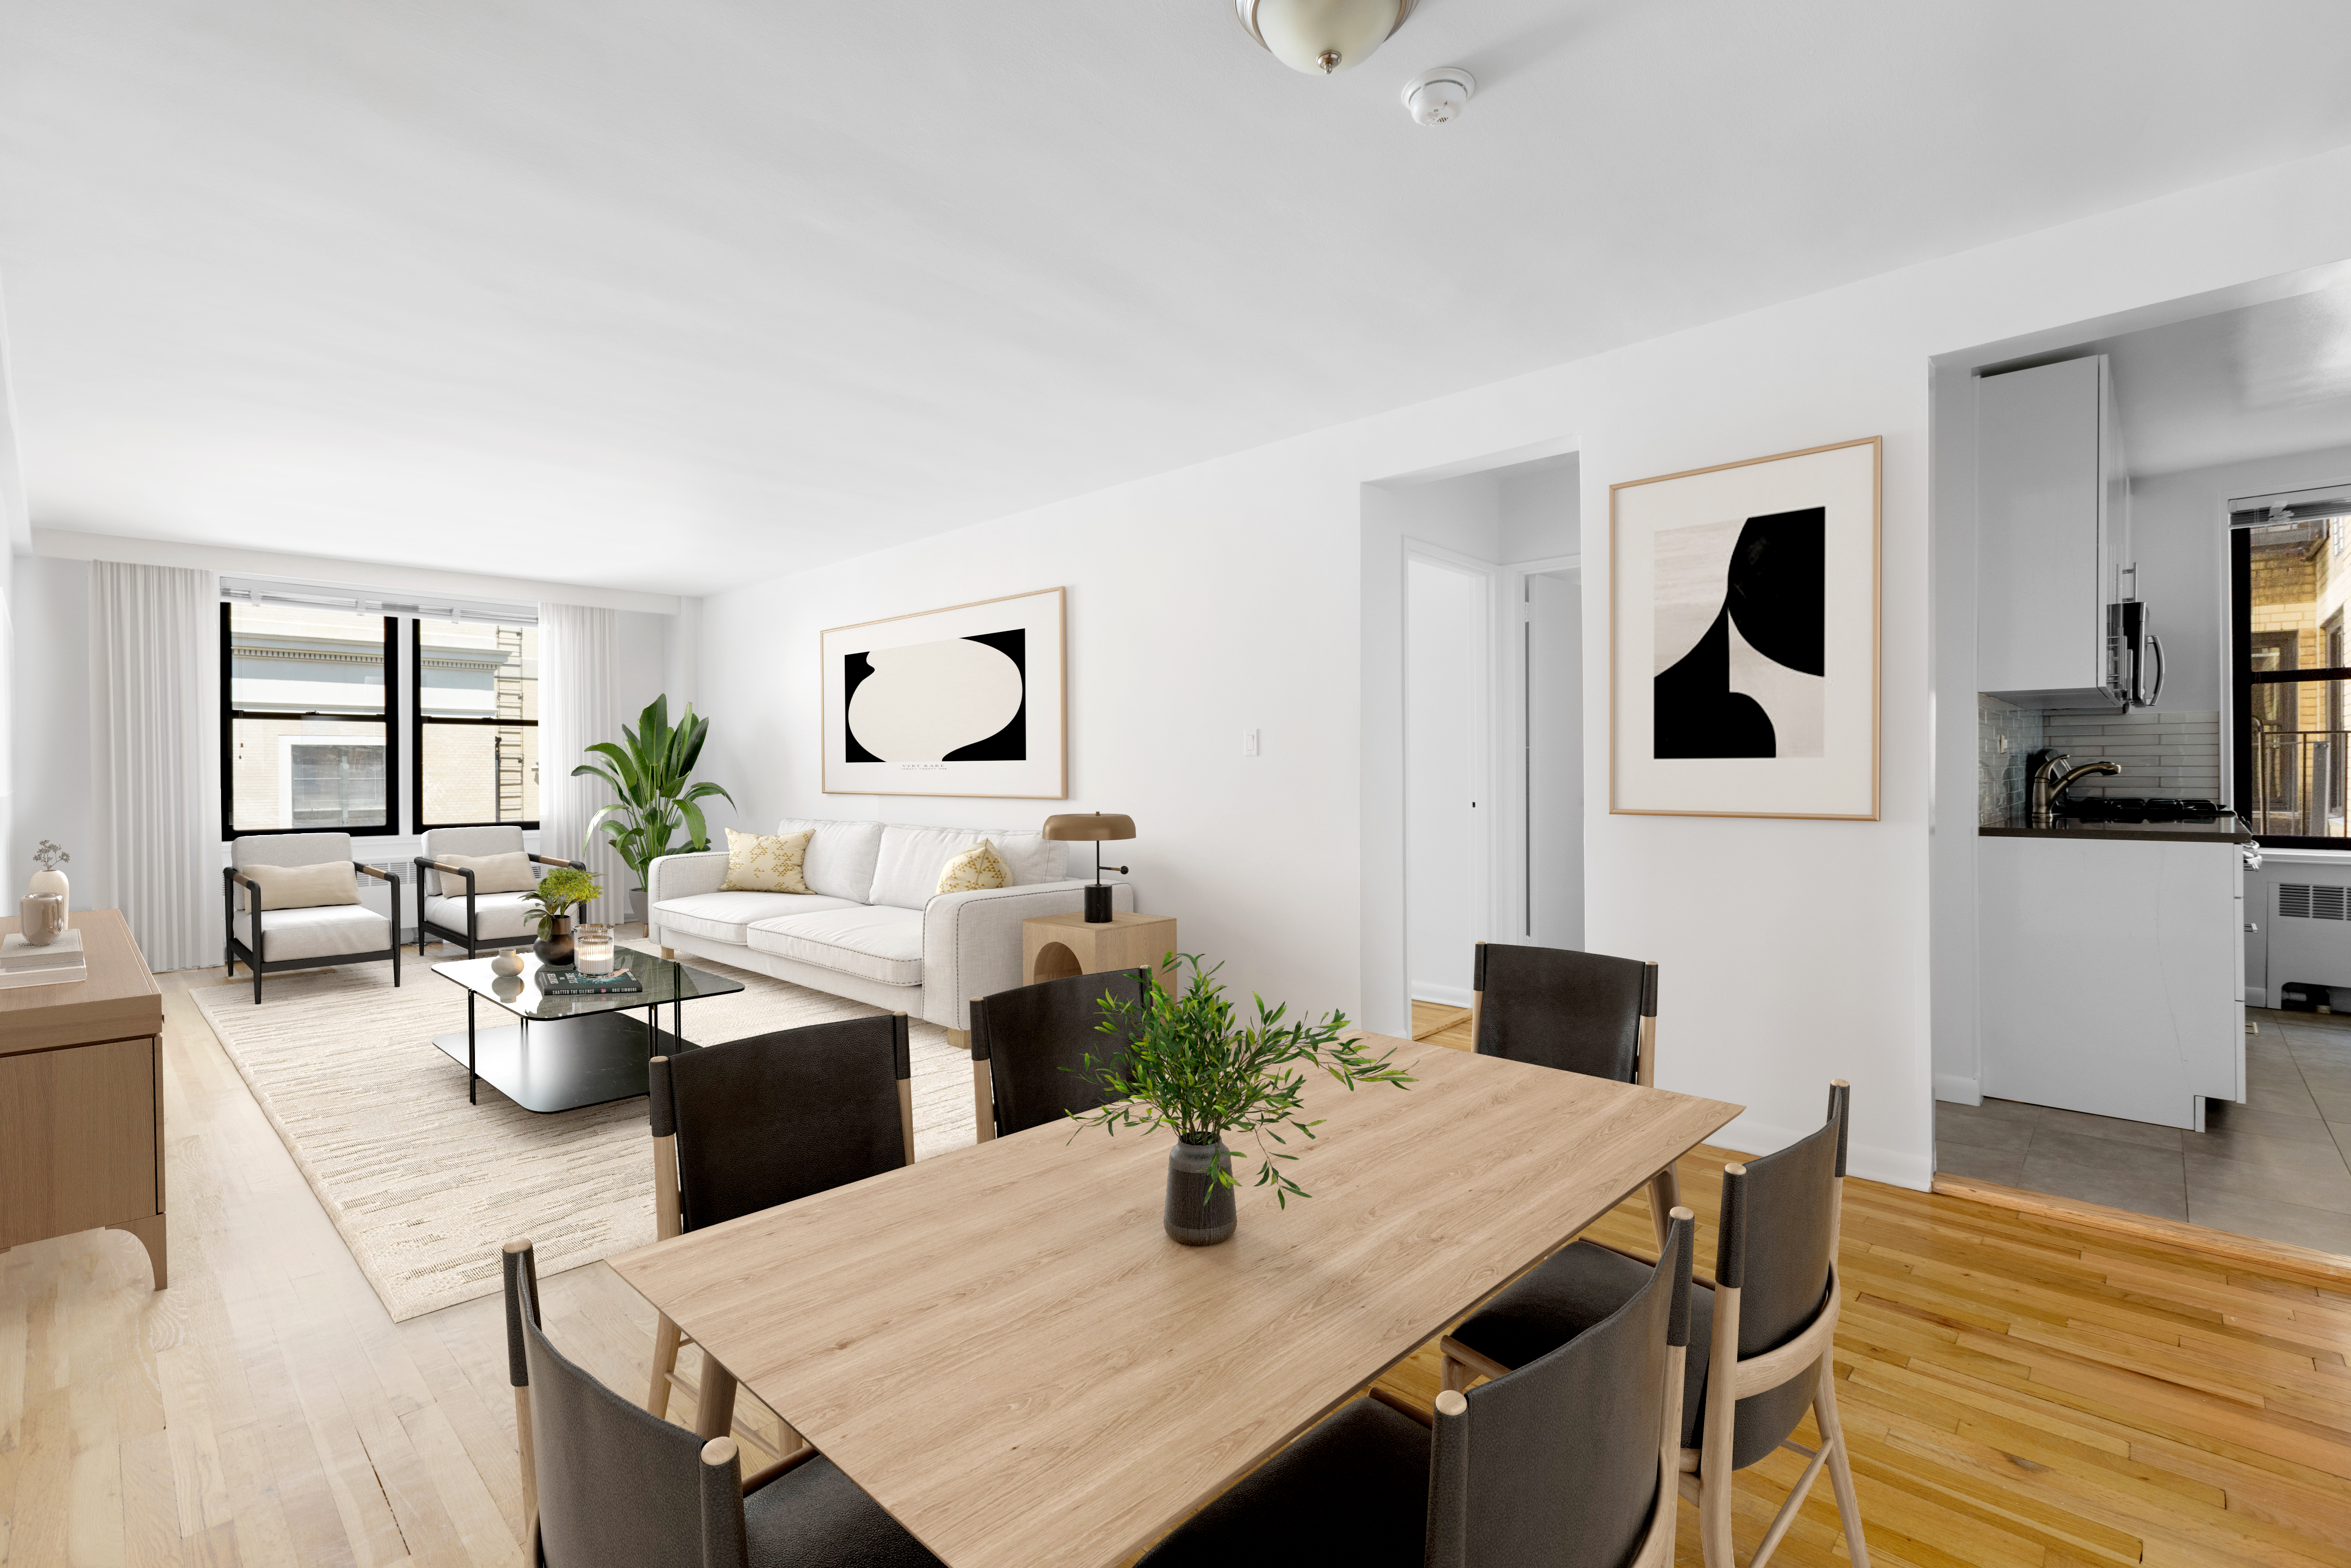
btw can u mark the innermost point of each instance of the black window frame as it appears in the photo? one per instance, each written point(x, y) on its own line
point(230, 713)
point(417, 722)
point(2241, 653)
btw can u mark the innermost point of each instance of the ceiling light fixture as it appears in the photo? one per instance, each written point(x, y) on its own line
point(1434, 98)
point(1322, 37)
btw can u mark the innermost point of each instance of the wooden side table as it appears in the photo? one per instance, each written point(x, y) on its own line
point(1055, 947)
point(82, 1098)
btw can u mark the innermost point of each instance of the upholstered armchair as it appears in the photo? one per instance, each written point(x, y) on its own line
point(470, 905)
point(291, 900)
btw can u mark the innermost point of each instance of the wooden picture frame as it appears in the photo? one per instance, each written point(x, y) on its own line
point(971, 700)
point(1744, 661)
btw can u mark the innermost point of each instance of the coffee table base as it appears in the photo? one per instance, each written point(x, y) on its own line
point(569, 1062)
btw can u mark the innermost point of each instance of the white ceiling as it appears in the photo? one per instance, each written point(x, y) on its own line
point(673, 295)
point(2266, 381)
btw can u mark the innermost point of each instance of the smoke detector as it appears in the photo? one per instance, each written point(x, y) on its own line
point(1435, 98)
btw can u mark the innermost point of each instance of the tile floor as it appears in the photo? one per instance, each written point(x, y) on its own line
point(2278, 1165)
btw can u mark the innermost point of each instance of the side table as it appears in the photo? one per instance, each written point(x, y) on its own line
point(1055, 947)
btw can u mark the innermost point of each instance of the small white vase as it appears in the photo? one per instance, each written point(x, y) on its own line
point(507, 962)
point(50, 882)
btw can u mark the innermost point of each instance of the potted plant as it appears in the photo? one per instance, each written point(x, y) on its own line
point(649, 770)
point(560, 891)
point(1190, 1065)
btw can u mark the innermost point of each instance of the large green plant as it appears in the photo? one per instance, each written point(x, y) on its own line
point(558, 891)
point(1191, 1066)
point(649, 772)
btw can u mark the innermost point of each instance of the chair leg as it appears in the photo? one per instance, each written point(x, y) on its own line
point(1665, 1196)
point(665, 1337)
point(1824, 1411)
point(1455, 1377)
point(1714, 1521)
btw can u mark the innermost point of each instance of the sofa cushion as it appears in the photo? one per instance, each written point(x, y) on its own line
point(975, 869)
point(1030, 858)
point(907, 873)
point(875, 941)
point(767, 862)
point(490, 840)
point(510, 871)
point(840, 859)
point(722, 917)
point(329, 930)
point(497, 915)
point(305, 886)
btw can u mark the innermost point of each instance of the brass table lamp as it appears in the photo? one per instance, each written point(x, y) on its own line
point(1094, 827)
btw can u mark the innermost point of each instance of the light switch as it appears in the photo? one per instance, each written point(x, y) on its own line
point(1249, 743)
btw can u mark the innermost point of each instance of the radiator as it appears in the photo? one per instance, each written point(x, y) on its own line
point(2310, 937)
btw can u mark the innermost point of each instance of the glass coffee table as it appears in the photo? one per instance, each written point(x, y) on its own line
point(567, 1051)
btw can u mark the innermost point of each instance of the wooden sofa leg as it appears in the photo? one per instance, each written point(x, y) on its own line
point(668, 955)
point(960, 1039)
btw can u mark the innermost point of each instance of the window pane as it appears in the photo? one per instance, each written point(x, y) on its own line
point(284, 660)
point(478, 772)
point(306, 773)
point(2298, 735)
point(2301, 578)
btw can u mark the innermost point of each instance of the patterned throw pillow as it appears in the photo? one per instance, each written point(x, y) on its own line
point(978, 867)
point(765, 863)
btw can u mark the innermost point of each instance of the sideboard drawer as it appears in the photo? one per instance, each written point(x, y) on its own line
point(80, 1146)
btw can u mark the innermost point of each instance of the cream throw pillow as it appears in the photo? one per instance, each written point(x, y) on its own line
point(978, 867)
point(509, 872)
point(765, 863)
point(305, 886)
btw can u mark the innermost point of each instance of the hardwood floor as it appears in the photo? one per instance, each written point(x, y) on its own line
point(1443, 1024)
point(2017, 1391)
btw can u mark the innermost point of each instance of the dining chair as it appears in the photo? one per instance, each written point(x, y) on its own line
point(1764, 1330)
point(757, 1123)
point(1580, 1012)
point(1028, 1047)
point(604, 1483)
point(454, 905)
point(1568, 1462)
point(297, 896)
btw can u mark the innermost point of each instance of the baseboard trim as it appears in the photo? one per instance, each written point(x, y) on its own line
point(1444, 995)
point(1958, 1090)
point(2252, 1251)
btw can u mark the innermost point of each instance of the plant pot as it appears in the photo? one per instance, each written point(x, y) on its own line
point(636, 906)
point(555, 951)
point(1200, 1208)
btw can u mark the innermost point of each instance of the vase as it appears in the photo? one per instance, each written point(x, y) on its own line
point(507, 962)
point(555, 951)
point(40, 918)
point(1200, 1208)
point(50, 882)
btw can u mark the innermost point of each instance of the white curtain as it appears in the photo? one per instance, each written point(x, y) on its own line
point(578, 650)
point(154, 658)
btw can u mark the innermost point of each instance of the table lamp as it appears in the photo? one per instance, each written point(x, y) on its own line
point(1093, 826)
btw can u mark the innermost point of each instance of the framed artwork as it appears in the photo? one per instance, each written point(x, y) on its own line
point(969, 700)
point(1742, 625)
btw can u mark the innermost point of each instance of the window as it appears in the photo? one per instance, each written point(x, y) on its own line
point(477, 693)
point(307, 744)
point(2292, 580)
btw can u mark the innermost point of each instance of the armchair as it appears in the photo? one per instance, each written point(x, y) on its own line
point(305, 936)
point(472, 920)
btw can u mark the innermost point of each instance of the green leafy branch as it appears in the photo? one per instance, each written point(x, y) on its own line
point(648, 775)
point(565, 887)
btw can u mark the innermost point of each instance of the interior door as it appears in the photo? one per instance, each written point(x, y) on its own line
point(1449, 855)
point(1552, 646)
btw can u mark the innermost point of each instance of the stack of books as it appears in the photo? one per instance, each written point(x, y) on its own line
point(22, 964)
point(572, 983)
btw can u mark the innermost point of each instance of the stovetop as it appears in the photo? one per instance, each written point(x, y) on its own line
point(2138, 808)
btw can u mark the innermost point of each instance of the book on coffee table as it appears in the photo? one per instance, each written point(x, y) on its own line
point(571, 983)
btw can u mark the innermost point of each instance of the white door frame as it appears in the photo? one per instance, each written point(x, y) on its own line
point(1510, 738)
point(1484, 894)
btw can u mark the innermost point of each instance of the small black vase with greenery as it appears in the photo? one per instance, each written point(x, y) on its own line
point(1192, 1067)
point(560, 891)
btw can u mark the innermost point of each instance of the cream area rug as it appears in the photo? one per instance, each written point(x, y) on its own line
point(426, 1187)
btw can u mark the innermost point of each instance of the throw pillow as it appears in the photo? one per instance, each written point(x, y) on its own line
point(305, 886)
point(765, 863)
point(510, 872)
point(978, 867)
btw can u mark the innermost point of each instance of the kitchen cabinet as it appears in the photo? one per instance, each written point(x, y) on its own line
point(2053, 535)
point(2111, 971)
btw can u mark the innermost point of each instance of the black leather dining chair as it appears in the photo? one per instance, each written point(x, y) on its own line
point(756, 1123)
point(1568, 1462)
point(606, 1485)
point(1764, 1327)
point(1028, 1047)
point(1577, 1012)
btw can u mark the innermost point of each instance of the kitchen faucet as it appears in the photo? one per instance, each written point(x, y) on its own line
point(2050, 784)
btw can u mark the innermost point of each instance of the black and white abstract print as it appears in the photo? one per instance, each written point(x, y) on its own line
point(961, 699)
point(1741, 637)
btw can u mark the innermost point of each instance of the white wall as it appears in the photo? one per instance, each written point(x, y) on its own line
point(1539, 509)
point(1449, 853)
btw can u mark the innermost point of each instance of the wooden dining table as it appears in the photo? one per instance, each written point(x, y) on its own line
point(1002, 1346)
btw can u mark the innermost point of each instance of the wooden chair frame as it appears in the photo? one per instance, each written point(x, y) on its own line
point(714, 1392)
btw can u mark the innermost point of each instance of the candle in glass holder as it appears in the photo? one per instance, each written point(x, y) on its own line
point(592, 949)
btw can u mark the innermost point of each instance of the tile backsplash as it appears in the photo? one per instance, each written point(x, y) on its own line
point(2000, 768)
point(2162, 752)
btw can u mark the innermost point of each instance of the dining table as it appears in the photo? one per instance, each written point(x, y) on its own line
point(1002, 1346)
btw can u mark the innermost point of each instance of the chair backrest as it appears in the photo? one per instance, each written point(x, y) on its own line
point(1561, 1463)
point(1779, 1236)
point(1035, 1039)
point(766, 1120)
point(289, 849)
point(1554, 1007)
point(614, 1483)
point(500, 839)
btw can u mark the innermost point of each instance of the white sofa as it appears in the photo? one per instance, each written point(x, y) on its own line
point(871, 927)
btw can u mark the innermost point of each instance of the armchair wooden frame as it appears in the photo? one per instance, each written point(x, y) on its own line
point(469, 938)
point(254, 949)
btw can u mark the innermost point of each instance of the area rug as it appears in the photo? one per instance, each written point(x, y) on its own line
point(426, 1187)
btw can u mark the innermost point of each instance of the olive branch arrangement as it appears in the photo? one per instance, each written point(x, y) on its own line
point(559, 890)
point(1190, 1066)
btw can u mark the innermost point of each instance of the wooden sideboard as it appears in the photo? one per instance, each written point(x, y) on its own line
point(82, 1098)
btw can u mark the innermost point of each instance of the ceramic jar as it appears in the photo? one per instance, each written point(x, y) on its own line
point(1200, 1208)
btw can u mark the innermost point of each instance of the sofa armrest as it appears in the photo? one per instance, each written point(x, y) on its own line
point(971, 941)
point(682, 876)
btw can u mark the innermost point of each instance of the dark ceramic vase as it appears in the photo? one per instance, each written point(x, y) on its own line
point(555, 951)
point(1200, 1208)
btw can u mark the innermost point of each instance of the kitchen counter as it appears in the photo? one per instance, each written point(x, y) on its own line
point(2225, 830)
